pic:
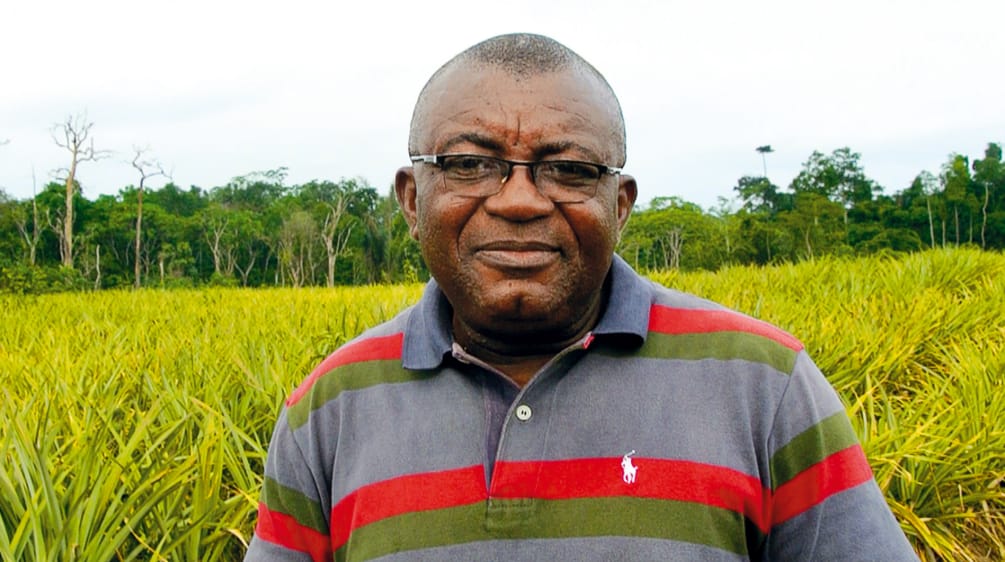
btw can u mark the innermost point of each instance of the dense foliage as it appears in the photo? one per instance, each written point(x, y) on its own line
point(136, 422)
point(831, 208)
point(258, 231)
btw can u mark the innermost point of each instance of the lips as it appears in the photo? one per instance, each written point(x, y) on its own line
point(517, 254)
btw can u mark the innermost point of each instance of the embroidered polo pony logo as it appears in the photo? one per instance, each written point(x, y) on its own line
point(628, 468)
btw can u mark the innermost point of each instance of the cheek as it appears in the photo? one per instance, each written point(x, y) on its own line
point(595, 226)
point(441, 221)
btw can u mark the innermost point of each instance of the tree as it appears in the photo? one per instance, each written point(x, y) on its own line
point(74, 135)
point(815, 220)
point(765, 149)
point(248, 242)
point(989, 173)
point(956, 182)
point(758, 195)
point(838, 177)
point(929, 186)
point(295, 247)
point(30, 235)
point(674, 234)
point(219, 235)
point(334, 237)
point(147, 168)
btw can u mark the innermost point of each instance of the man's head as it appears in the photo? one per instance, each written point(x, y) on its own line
point(521, 55)
point(523, 268)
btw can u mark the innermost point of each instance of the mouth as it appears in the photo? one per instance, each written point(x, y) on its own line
point(518, 255)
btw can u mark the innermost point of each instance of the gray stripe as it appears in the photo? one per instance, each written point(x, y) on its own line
point(815, 400)
point(284, 450)
point(263, 551)
point(607, 549)
point(390, 430)
point(685, 301)
point(858, 524)
point(709, 411)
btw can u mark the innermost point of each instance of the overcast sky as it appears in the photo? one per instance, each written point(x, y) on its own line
point(220, 89)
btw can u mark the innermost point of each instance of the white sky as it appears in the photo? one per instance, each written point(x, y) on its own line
point(219, 89)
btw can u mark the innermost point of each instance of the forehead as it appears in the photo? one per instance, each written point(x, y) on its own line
point(518, 111)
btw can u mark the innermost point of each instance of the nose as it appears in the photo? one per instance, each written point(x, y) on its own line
point(519, 200)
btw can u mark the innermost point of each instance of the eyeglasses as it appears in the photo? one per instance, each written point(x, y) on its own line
point(475, 175)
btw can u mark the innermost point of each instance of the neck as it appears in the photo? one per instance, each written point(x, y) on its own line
point(520, 356)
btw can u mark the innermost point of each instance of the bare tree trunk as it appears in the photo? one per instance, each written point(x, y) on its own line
point(931, 225)
point(334, 241)
point(984, 215)
point(67, 239)
point(676, 241)
point(57, 227)
point(215, 242)
point(139, 229)
point(97, 266)
point(75, 132)
point(244, 272)
point(33, 236)
point(956, 218)
point(147, 169)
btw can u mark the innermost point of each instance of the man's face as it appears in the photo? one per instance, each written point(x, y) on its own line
point(516, 265)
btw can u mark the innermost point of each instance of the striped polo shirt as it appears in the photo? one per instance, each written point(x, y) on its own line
point(675, 430)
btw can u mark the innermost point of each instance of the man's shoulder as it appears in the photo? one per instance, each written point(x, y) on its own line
point(379, 344)
point(676, 313)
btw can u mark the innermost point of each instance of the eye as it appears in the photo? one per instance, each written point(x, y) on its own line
point(573, 174)
point(469, 167)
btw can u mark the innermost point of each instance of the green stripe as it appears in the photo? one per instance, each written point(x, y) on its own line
point(554, 519)
point(723, 346)
point(305, 510)
point(832, 434)
point(355, 376)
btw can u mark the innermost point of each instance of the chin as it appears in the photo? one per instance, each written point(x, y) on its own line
point(525, 304)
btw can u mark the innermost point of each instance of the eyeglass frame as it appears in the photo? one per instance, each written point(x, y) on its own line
point(531, 165)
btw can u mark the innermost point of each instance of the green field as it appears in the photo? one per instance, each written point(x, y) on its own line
point(136, 423)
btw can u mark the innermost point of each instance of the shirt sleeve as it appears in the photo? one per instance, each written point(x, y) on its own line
point(825, 503)
point(293, 524)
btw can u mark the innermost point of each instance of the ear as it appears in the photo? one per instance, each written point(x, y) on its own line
point(627, 192)
point(405, 193)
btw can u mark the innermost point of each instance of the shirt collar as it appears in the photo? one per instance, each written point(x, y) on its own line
point(627, 311)
point(428, 331)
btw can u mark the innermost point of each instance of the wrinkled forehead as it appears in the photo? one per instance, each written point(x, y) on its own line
point(467, 83)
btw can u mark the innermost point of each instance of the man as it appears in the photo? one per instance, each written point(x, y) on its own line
point(542, 401)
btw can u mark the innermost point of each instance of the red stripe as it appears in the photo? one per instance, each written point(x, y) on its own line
point(675, 480)
point(406, 494)
point(676, 321)
point(656, 478)
point(842, 470)
point(284, 530)
point(370, 349)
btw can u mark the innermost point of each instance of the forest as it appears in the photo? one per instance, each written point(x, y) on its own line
point(257, 230)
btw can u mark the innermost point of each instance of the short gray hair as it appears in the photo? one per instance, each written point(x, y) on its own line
point(521, 55)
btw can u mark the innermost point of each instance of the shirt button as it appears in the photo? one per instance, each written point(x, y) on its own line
point(523, 412)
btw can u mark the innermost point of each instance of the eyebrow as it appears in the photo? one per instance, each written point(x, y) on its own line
point(491, 144)
point(476, 139)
